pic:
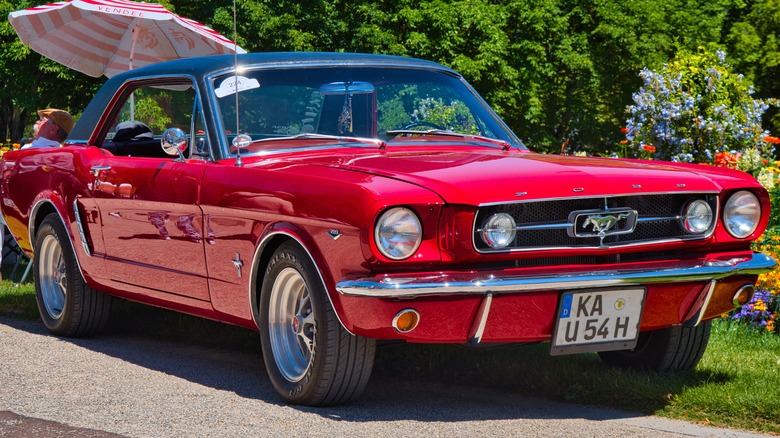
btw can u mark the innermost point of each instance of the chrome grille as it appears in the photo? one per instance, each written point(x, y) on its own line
point(546, 224)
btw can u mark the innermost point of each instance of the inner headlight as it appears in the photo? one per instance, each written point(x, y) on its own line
point(499, 230)
point(398, 233)
point(697, 217)
point(741, 214)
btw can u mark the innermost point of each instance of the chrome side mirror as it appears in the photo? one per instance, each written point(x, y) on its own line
point(174, 142)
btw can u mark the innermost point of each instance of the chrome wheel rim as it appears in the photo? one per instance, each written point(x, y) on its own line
point(52, 277)
point(291, 325)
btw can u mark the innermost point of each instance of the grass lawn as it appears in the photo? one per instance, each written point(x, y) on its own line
point(737, 383)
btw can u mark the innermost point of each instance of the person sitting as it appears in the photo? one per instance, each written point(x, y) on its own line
point(51, 129)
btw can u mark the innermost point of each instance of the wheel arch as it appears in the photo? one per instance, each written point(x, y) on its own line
point(39, 211)
point(42, 209)
point(269, 243)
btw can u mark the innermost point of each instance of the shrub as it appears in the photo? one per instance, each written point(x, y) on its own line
point(694, 108)
point(763, 310)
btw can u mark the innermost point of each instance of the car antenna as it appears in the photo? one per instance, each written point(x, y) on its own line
point(237, 141)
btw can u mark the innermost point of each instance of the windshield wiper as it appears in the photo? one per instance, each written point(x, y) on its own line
point(504, 144)
point(311, 136)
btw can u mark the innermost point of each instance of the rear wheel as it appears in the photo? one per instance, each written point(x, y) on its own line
point(310, 358)
point(67, 305)
point(676, 348)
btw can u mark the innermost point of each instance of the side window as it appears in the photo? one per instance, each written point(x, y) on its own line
point(146, 113)
point(199, 143)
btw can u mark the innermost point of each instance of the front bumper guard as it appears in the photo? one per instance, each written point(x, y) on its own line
point(480, 283)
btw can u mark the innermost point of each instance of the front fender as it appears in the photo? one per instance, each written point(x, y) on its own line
point(278, 233)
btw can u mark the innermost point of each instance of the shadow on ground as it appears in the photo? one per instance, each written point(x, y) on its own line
point(445, 383)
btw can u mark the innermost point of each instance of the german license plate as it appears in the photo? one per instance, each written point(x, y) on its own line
point(598, 320)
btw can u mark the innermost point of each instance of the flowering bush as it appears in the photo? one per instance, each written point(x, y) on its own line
point(7, 146)
point(763, 310)
point(696, 110)
point(693, 109)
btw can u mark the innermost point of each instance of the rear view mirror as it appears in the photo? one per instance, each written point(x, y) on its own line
point(174, 142)
point(347, 88)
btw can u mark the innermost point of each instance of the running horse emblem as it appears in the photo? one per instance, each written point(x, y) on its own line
point(603, 223)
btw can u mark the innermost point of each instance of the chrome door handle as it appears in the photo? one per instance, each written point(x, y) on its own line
point(95, 170)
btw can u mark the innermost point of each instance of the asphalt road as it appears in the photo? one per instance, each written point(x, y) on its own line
point(115, 385)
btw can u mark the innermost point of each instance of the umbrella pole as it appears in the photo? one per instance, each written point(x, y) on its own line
point(136, 30)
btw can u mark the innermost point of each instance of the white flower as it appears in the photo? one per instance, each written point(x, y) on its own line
point(767, 178)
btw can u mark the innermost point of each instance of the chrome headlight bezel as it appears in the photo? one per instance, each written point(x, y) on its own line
point(697, 217)
point(499, 230)
point(398, 233)
point(742, 214)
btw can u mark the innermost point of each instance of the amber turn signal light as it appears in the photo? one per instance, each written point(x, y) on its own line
point(743, 295)
point(406, 320)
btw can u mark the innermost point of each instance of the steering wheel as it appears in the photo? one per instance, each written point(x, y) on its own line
point(418, 124)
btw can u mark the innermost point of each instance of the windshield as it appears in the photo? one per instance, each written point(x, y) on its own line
point(355, 102)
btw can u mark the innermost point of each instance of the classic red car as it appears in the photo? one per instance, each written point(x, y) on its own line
point(332, 200)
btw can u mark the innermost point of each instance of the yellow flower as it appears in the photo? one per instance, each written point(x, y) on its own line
point(770, 326)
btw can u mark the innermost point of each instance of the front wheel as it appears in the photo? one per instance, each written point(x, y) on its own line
point(676, 348)
point(310, 358)
point(67, 305)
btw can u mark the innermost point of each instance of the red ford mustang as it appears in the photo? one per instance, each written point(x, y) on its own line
point(333, 200)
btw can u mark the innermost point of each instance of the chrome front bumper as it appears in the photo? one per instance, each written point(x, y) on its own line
point(480, 283)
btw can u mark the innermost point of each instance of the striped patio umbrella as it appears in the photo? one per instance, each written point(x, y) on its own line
point(107, 37)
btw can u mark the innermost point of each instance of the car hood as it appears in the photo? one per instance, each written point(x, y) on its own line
point(481, 177)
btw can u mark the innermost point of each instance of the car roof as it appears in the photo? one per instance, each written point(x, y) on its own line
point(200, 67)
point(209, 64)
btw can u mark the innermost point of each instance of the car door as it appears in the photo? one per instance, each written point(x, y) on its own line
point(152, 225)
point(147, 201)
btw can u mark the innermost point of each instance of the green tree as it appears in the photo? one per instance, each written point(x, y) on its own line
point(754, 49)
point(559, 72)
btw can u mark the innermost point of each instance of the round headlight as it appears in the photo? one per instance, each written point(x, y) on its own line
point(398, 233)
point(499, 230)
point(742, 214)
point(697, 217)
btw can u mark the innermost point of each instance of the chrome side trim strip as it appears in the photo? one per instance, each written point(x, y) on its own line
point(80, 226)
point(32, 232)
point(478, 329)
point(480, 283)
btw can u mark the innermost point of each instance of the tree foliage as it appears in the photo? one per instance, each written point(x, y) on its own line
point(753, 44)
point(559, 72)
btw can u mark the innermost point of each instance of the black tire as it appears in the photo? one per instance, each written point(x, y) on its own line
point(310, 358)
point(676, 348)
point(67, 305)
